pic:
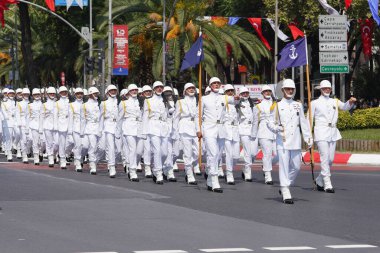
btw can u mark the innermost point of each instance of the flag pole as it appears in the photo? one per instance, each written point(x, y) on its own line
point(309, 112)
point(199, 113)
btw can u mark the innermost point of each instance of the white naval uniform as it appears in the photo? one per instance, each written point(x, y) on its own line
point(184, 118)
point(267, 138)
point(324, 111)
point(8, 111)
point(22, 119)
point(108, 124)
point(155, 126)
point(91, 116)
point(62, 118)
point(213, 108)
point(232, 138)
point(130, 118)
point(249, 143)
point(289, 117)
point(50, 126)
point(35, 126)
point(76, 124)
point(169, 140)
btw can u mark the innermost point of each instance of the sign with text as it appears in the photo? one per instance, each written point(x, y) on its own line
point(120, 50)
point(332, 35)
point(254, 89)
point(332, 46)
point(333, 58)
point(332, 21)
point(332, 69)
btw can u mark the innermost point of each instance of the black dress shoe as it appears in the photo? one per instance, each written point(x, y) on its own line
point(93, 173)
point(231, 183)
point(10, 160)
point(51, 165)
point(78, 170)
point(198, 174)
point(320, 188)
point(172, 179)
point(113, 176)
point(63, 168)
point(36, 163)
point(191, 183)
point(133, 179)
point(220, 176)
point(41, 158)
point(331, 190)
point(125, 169)
point(160, 182)
point(149, 176)
point(269, 182)
point(139, 170)
point(25, 162)
point(288, 201)
point(154, 178)
point(217, 190)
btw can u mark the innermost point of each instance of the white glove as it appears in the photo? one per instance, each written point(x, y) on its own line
point(310, 143)
point(171, 110)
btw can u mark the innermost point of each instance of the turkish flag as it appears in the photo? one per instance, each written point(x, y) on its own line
point(256, 23)
point(295, 31)
point(3, 7)
point(366, 29)
point(348, 3)
point(50, 4)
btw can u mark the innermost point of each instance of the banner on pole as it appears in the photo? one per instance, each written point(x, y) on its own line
point(64, 3)
point(120, 50)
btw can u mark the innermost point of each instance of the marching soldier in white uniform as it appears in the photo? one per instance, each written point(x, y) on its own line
point(267, 139)
point(213, 108)
point(62, 119)
point(130, 117)
point(289, 122)
point(91, 128)
point(232, 139)
point(35, 124)
point(249, 143)
point(155, 126)
point(76, 124)
point(324, 111)
point(8, 110)
point(50, 124)
point(22, 120)
point(184, 124)
point(147, 155)
point(108, 124)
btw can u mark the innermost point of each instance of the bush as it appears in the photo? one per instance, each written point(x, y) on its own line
point(360, 119)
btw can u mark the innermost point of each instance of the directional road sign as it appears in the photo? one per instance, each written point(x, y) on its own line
point(333, 58)
point(332, 21)
point(332, 35)
point(332, 46)
point(334, 69)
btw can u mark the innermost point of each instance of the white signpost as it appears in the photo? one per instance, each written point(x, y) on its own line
point(333, 58)
point(332, 21)
point(332, 35)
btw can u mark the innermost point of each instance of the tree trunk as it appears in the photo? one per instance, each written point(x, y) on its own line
point(26, 46)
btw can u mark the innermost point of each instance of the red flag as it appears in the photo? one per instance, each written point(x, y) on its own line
point(295, 31)
point(256, 23)
point(348, 3)
point(3, 7)
point(366, 29)
point(50, 4)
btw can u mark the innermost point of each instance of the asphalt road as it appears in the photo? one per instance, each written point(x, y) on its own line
point(53, 211)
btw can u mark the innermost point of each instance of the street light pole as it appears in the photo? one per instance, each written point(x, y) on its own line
point(164, 43)
point(90, 43)
point(16, 53)
point(109, 44)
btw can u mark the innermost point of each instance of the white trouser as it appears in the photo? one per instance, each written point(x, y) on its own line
point(134, 150)
point(232, 149)
point(62, 137)
point(270, 155)
point(51, 141)
point(327, 153)
point(24, 140)
point(110, 149)
point(190, 151)
point(214, 148)
point(250, 150)
point(101, 152)
point(35, 141)
point(289, 166)
point(90, 145)
point(147, 151)
point(177, 148)
point(16, 137)
point(119, 149)
point(168, 164)
point(77, 150)
point(8, 135)
point(160, 151)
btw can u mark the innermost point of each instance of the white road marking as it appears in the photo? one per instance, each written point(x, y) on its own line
point(288, 248)
point(226, 250)
point(352, 246)
point(98, 252)
point(161, 251)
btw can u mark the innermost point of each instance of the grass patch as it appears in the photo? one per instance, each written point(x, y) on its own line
point(361, 134)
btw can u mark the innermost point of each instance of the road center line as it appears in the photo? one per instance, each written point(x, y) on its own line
point(288, 248)
point(352, 246)
point(161, 251)
point(226, 250)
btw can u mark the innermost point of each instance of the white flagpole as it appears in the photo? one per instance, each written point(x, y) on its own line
point(276, 45)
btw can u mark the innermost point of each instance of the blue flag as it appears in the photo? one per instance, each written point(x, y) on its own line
point(194, 56)
point(233, 20)
point(293, 55)
point(374, 6)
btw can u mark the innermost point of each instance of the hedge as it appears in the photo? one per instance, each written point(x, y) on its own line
point(360, 119)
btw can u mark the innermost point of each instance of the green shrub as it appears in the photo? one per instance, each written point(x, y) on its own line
point(360, 119)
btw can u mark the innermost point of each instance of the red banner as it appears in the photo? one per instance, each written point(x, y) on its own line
point(120, 50)
point(366, 28)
